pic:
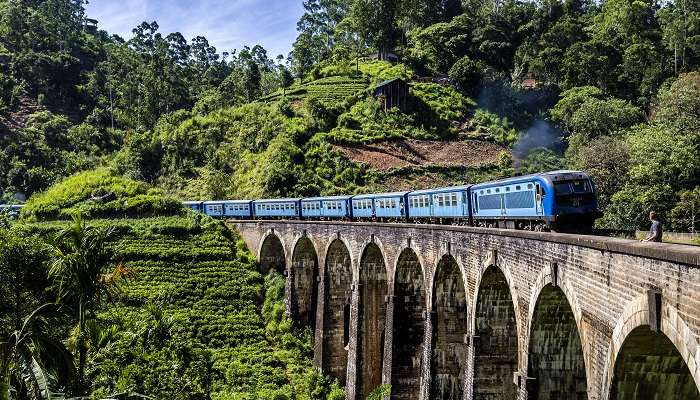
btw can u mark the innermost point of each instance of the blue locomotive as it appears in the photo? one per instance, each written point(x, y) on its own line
point(558, 201)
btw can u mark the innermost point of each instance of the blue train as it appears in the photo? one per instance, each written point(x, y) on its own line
point(562, 201)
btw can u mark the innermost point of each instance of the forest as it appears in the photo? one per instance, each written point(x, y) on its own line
point(610, 88)
point(109, 288)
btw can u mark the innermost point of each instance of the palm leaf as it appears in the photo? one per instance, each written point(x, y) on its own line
point(33, 376)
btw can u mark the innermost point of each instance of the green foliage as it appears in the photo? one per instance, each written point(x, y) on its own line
point(99, 193)
point(540, 160)
point(195, 319)
point(441, 102)
point(467, 73)
point(379, 71)
point(500, 129)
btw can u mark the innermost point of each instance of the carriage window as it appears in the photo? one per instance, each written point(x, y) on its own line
point(529, 185)
point(454, 199)
point(508, 189)
point(517, 187)
point(498, 190)
point(488, 190)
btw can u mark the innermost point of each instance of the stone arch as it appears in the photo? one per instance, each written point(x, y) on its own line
point(409, 326)
point(272, 253)
point(372, 240)
point(449, 315)
point(556, 367)
point(496, 337)
point(664, 356)
point(372, 311)
point(337, 280)
point(305, 273)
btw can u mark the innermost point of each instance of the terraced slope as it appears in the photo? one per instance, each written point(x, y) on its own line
point(326, 90)
point(199, 312)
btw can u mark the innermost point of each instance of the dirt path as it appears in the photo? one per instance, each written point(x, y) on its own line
point(410, 153)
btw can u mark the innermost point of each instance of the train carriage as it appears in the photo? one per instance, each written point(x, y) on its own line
point(214, 208)
point(197, 206)
point(450, 203)
point(277, 208)
point(238, 208)
point(326, 207)
point(380, 205)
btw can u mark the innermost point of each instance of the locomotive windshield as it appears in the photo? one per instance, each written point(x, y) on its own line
point(572, 187)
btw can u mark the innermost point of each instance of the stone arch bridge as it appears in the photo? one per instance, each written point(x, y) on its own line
point(442, 312)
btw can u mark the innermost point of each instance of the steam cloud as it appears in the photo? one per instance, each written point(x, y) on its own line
point(541, 134)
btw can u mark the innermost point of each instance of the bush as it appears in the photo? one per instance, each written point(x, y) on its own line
point(98, 193)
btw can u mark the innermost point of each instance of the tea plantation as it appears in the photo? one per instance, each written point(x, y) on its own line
point(196, 320)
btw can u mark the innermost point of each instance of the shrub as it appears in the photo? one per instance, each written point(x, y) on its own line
point(98, 193)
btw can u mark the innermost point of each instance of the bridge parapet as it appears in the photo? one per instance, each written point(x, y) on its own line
point(473, 313)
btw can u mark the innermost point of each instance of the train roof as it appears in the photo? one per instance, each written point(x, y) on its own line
point(323, 198)
point(441, 190)
point(227, 202)
point(287, 200)
point(550, 176)
point(379, 195)
point(188, 202)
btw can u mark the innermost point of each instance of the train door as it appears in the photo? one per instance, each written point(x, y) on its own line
point(465, 204)
point(503, 204)
point(538, 199)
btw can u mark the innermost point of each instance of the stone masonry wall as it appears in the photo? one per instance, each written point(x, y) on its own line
point(610, 287)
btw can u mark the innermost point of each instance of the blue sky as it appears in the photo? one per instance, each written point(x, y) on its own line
point(227, 24)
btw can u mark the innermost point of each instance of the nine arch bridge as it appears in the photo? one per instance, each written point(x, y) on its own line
point(445, 312)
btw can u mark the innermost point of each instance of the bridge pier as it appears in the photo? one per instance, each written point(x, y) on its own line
point(502, 315)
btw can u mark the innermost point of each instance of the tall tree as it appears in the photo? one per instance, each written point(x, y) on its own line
point(80, 272)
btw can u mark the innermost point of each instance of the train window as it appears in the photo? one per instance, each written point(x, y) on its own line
point(508, 189)
point(454, 199)
point(488, 190)
point(517, 187)
point(529, 185)
point(498, 190)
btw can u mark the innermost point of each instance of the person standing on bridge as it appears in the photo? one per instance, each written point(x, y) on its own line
point(656, 232)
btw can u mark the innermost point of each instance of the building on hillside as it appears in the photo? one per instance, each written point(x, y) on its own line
point(392, 93)
point(530, 83)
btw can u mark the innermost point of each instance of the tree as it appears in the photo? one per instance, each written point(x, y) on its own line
point(686, 214)
point(29, 352)
point(286, 78)
point(678, 105)
point(607, 161)
point(80, 260)
point(302, 55)
point(681, 32)
point(32, 356)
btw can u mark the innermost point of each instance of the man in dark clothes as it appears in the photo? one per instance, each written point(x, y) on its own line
point(656, 232)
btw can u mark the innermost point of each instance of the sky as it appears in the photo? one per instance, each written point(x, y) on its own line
point(227, 24)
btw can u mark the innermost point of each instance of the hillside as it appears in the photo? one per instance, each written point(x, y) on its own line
point(399, 154)
point(196, 310)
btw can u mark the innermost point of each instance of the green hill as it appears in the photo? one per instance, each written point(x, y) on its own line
point(196, 319)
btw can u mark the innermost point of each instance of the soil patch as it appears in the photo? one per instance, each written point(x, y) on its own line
point(416, 153)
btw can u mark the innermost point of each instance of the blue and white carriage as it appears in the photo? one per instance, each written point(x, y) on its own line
point(380, 205)
point(443, 203)
point(277, 208)
point(238, 208)
point(197, 206)
point(326, 207)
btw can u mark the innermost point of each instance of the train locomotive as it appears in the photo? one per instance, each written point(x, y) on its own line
point(561, 201)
